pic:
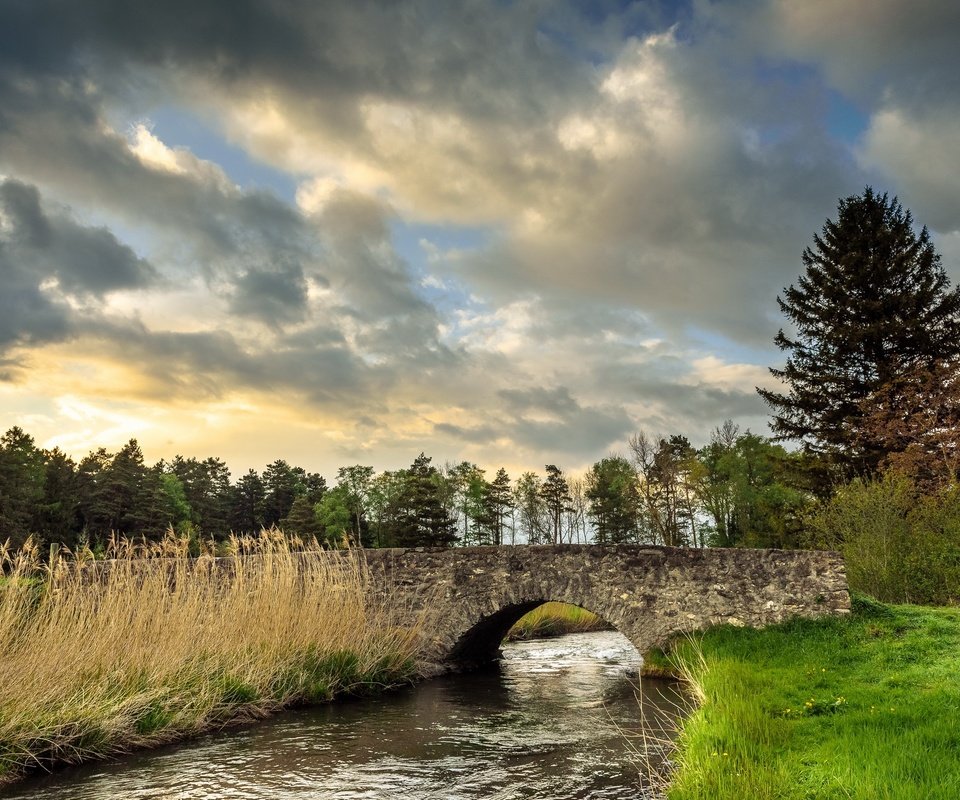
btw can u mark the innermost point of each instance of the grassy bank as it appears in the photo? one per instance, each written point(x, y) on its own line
point(555, 619)
point(862, 707)
point(159, 650)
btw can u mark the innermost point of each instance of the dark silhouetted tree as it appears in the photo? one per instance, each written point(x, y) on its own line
point(21, 485)
point(872, 305)
point(246, 512)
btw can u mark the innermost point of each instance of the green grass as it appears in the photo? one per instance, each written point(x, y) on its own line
point(863, 707)
point(555, 619)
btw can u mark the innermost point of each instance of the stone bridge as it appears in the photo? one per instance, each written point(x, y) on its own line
point(646, 593)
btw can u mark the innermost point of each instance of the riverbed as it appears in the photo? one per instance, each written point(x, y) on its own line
point(558, 718)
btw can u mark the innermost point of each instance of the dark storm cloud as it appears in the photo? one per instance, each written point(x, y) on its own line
point(657, 233)
point(878, 52)
point(208, 365)
point(273, 296)
point(577, 433)
point(365, 271)
point(53, 133)
point(556, 400)
point(85, 261)
point(45, 256)
point(457, 54)
point(570, 428)
point(485, 434)
point(638, 187)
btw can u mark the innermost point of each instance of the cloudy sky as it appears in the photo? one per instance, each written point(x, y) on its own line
point(509, 232)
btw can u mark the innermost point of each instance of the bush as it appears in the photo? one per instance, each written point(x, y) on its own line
point(900, 546)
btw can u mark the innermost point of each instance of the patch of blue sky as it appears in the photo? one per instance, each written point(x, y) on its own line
point(839, 117)
point(733, 352)
point(417, 243)
point(138, 238)
point(424, 248)
point(844, 120)
point(178, 128)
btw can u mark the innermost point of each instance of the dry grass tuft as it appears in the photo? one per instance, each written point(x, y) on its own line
point(150, 646)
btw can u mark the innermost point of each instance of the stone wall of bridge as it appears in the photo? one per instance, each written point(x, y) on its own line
point(473, 595)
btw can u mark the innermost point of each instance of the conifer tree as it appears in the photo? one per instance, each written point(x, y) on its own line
point(423, 520)
point(498, 502)
point(556, 495)
point(873, 304)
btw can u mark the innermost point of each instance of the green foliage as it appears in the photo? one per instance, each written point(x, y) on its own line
point(468, 494)
point(864, 707)
point(899, 546)
point(745, 484)
point(335, 516)
point(247, 503)
point(665, 469)
point(612, 494)
point(176, 508)
point(531, 508)
point(303, 520)
point(355, 484)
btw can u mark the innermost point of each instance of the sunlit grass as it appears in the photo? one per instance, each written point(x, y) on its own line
point(554, 619)
point(863, 707)
point(153, 646)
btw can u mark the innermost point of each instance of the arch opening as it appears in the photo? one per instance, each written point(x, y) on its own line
point(480, 644)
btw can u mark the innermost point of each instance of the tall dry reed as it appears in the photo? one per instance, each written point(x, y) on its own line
point(151, 645)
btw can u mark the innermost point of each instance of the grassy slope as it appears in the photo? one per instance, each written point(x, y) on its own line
point(860, 707)
point(555, 619)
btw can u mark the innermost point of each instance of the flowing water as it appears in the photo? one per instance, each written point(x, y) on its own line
point(558, 719)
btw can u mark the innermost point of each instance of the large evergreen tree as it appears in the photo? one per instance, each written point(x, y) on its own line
point(873, 304)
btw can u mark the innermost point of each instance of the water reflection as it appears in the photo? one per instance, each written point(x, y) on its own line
point(546, 724)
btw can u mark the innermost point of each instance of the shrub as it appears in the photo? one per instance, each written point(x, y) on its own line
point(900, 546)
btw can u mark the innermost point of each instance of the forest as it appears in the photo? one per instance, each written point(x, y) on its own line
point(870, 409)
point(738, 490)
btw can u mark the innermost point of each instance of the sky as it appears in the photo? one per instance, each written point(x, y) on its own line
point(512, 233)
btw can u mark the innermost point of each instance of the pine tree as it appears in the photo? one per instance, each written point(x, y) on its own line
point(498, 502)
point(556, 495)
point(873, 304)
point(423, 519)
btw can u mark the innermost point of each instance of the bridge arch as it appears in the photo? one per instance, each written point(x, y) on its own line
point(646, 593)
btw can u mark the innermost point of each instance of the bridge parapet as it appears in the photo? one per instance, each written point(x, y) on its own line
point(647, 593)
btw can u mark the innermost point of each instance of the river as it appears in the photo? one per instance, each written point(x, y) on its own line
point(558, 719)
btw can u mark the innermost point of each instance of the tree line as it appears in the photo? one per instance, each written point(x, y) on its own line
point(735, 491)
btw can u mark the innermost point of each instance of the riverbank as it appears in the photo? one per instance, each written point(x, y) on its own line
point(162, 647)
point(555, 619)
point(865, 707)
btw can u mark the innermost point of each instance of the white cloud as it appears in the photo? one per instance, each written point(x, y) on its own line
point(919, 153)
